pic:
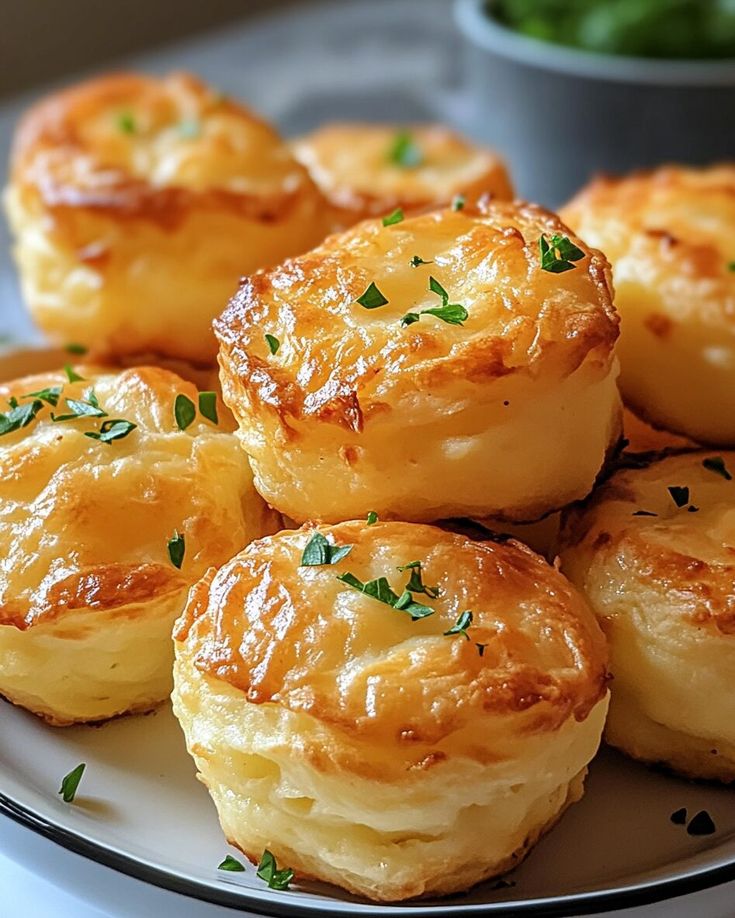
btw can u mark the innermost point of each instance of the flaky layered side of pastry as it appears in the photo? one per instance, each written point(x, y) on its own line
point(396, 750)
point(101, 535)
point(137, 203)
point(669, 235)
point(431, 368)
point(653, 552)
point(368, 170)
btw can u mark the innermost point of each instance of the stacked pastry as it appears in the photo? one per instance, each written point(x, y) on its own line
point(384, 697)
point(653, 548)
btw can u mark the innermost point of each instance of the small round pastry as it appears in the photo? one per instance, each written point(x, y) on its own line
point(369, 170)
point(392, 708)
point(653, 551)
point(137, 203)
point(110, 512)
point(670, 237)
point(427, 369)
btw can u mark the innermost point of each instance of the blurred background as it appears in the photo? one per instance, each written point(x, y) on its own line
point(562, 88)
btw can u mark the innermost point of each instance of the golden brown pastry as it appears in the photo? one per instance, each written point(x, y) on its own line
point(110, 512)
point(137, 203)
point(670, 237)
point(401, 717)
point(368, 170)
point(653, 550)
point(431, 368)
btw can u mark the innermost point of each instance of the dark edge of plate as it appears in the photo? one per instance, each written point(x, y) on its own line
point(553, 907)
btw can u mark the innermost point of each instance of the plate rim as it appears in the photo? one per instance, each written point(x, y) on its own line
point(563, 906)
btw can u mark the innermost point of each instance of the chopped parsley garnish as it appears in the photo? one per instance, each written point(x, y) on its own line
point(77, 349)
point(126, 122)
point(70, 783)
point(380, 589)
point(701, 824)
point(461, 625)
point(558, 254)
point(273, 344)
point(451, 313)
point(19, 416)
point(268, 871)
point(190, 128)
point(176, 549)
point(372, 518)
point(679, 817)
point(458, 202)
point(49, 395)
point(404, 151)
point(415, 583)
point(731, 266)
point(372, 297)
point(81, 408)
point(208, 406)
point(717, 465)
point(184, 411)
point(416, 260)
point(114, 429)
point(319, 551)
point(679, 495)
point(645, 513)
point(71, 374)
point(232, 864)
point(395, 217)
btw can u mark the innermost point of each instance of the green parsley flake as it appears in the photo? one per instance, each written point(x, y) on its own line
point(273, 344)
point(395, 217)
point(81, 408)
point(405, 152)
point(208, 406)
point(176, 549)
point(380, 589)
point(458, 202)
point(731, 266)
point(184, 411)
point(415, 583)
point(114, 429)
point(372, 518)
point(461, 625)
point(558, 254)
point(71, 374)
point(451, 313)
point(19, 416)
point(49, 395)
point(268, 871)
point(70, 783)
point(679, 495)
point(232, 864)
point(77, 349)
point(126, 123)
point(714, 464)
point(319, 551)
point(372, 298)
point(416, 260)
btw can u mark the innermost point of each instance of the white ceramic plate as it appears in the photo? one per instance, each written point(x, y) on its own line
point(140, 809)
